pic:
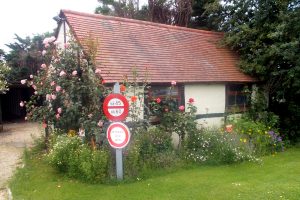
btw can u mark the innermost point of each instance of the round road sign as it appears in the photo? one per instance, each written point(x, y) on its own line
point(118, 135)
point(116, 107)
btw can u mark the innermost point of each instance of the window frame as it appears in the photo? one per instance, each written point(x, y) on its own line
point(236, 90)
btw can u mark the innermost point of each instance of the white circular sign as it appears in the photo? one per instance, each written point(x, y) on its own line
point(115, 107)
point(118, 135)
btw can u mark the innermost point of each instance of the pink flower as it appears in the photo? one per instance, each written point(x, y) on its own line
point(97, 71)
point(173, 83)
point(100, 123)
point(53, 96)
point(44, 52)
point(57, 88)
point(59, 110)
point(34, 87)
point(74, 73)
point(43, 66)
point(51, 39)
point(62, 73)
point(48, 97)
point(31, 76)
point(23, 81)
point(57, 116)
point(158, 100)
point(35, 92)
point(191, 100)
point(52, 83)
point(46, 41)
point(90, 115)
point(229, 128)
point(47, 45)
point(66, 45)
point(56, 42)
point(22, 104)
point(181, 108)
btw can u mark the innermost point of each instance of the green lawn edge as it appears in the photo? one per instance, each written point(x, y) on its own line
point(276, 177)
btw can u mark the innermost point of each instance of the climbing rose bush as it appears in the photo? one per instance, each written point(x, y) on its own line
point(67, 91)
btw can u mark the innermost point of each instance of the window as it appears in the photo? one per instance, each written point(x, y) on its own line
point(163, 93)
point(236, 98)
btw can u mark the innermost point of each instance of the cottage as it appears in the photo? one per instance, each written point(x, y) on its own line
point(201, 67)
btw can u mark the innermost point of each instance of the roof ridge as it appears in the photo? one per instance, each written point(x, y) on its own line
point(135, 21)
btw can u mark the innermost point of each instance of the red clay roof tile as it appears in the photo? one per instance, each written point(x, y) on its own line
point(163, 52)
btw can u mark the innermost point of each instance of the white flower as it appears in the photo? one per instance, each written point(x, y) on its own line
point(23, 81)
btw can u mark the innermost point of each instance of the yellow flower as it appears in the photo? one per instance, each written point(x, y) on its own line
point(71, 133)
point(245, 140)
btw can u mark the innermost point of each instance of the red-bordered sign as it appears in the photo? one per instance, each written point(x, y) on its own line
point(118, 135)
point(116, 107)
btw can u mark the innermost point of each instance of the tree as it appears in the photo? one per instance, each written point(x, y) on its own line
point(206, 14)
point(265, 35)
point(174, 12)
point(25, 56)
point(124, 8)
point(4, 70)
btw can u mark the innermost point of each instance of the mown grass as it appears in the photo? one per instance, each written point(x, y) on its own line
point(277, 177)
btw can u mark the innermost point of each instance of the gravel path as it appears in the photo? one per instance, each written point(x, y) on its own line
point(13, 140)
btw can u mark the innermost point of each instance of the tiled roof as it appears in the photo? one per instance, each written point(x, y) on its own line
point(163, 52)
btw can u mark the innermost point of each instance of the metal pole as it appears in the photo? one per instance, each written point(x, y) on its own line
point(119, 152)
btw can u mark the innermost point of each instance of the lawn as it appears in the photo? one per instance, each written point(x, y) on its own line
point(277, 177)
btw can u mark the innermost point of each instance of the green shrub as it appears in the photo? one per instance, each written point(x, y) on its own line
point(77, 160)
point(265, 139)
point(150, 149)
point(214, 146)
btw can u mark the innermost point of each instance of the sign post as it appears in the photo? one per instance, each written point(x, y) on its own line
point(116, 108)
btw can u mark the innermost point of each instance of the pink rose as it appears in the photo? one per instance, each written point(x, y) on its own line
point(158, 100)
point(48, 97)
point(66, 45)
point(173, 82)
point(47, 45)
point(51, 39)
point(53, 96)
point(45, 41)
point(22, 104)
point(59, 110)
point(56, 42)
point(74, 73)
point(100, 123)
point(181, 108)
point(23, 81)
point(52, 83)
point(191, 100)
point(43, 66)
point(58, 88)
point(57, 116)
point(62, 73)
point(44, 52)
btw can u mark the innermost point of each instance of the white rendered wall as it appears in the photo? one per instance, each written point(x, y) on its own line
point(209, 99)
point(139, 104)
point(60, 35)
